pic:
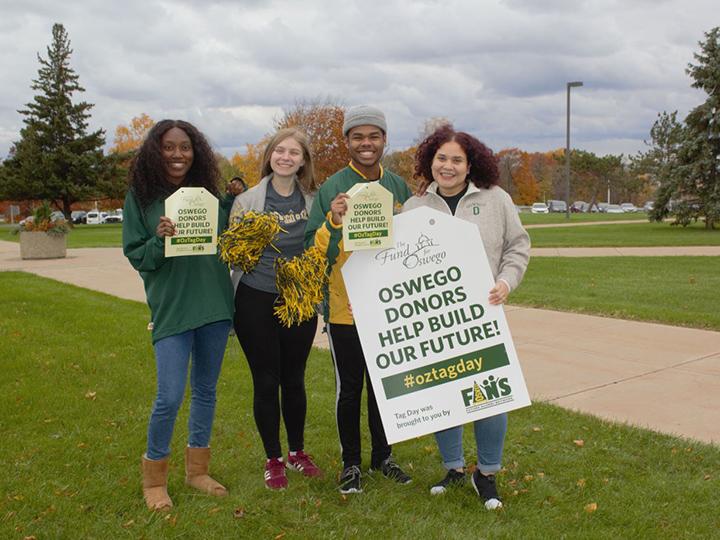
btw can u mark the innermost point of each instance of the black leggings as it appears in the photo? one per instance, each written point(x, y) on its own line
point(277, 356)
point(350, 371)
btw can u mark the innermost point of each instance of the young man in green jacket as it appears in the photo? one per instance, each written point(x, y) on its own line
point(365, 131)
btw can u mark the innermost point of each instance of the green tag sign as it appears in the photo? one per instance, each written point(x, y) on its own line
point(194, 211)
point(367, 224)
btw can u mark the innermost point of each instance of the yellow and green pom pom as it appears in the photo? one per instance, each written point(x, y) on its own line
point(244, 241)
point(301, 282)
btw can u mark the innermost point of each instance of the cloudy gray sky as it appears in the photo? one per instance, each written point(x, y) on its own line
point(496, 68)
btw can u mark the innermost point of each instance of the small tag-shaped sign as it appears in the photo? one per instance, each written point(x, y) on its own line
point(194, 211)
point(367, 223)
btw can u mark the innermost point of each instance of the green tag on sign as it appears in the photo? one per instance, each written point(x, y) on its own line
point(191, 240)
point(368, 234)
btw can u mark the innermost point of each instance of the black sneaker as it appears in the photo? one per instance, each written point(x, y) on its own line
point(350, 480)
point(486, 490)
point(392, 470)
point(452, 478)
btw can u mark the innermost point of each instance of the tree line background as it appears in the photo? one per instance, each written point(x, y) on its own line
point(57, 159)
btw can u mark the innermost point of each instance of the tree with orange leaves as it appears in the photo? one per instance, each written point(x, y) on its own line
point(402, 163)
point(129, 138)
point(249, 163)
point(546, 169)
point(322, 122)
point(517, 175)
point(526, 185)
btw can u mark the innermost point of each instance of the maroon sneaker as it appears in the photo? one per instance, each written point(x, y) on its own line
point(275, 474)
point(303, 463)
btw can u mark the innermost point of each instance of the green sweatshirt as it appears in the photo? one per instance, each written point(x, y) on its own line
point(183, 293)
point(327, 236)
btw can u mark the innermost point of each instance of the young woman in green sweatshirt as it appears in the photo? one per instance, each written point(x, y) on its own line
point(190, 300)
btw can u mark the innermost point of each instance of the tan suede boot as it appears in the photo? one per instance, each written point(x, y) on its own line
point(155, 475)
point(197, 461)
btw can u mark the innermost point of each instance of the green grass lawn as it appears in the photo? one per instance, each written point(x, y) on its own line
point(642, 234)
point(536, 219)
point(674, 290)
point(625, 235)
point(81, 236)
point(77, 385)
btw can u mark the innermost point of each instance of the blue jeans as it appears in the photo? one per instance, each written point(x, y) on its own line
point(172, 355)
point(489, 439)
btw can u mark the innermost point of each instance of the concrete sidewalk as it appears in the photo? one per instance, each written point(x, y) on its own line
point(661, 377)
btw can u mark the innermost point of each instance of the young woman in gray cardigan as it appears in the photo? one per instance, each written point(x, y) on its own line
point(277, 355)
point(464, 179)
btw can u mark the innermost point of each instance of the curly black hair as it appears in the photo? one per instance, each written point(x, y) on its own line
point(147, 174)
point(483, 163)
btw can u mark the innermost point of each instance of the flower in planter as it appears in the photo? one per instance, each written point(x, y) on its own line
point(45, 220)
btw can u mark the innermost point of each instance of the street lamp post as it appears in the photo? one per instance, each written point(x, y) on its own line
point(567, 149)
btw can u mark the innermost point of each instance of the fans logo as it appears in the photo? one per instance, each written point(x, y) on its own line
point(490, 393)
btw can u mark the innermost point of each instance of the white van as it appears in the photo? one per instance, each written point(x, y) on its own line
point(115, 217)
point(96, 218)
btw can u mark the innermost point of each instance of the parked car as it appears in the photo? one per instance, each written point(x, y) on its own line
point(539, 208)
point(614, 209)
point(648, 206)
point(579, 206)
point(629, 207)
point(96, 218)
point(115, 217)
point(557, 206)
point(78, 216)
point(57, 215)
point(602, 207)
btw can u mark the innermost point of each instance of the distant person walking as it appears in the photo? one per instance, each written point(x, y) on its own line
point(190, 300)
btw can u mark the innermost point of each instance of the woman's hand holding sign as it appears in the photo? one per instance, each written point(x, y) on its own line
point(499, 293)
point(165, 227)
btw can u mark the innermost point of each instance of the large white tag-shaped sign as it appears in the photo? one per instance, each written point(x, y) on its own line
point(195, 214)
point(367, 224)
point(439, 355)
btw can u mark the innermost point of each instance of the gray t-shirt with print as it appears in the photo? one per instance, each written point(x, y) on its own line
point(292, 216)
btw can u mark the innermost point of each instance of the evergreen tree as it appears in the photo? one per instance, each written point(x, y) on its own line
point(699, 183)
point(685, 159)
point(56, 158)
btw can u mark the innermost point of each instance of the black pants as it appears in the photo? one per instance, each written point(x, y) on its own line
point(350, 371)
point(277, 357)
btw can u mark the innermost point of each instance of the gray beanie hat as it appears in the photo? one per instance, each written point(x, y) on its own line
point(364, 115)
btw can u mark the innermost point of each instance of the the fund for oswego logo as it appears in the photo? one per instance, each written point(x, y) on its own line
point(489, 393)
point(195, 200)
point(424, 251)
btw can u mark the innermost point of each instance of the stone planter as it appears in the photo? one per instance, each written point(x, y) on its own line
point(41, 245)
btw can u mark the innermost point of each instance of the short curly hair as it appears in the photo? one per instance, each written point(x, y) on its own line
point(147, 174)
point(483, 164)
